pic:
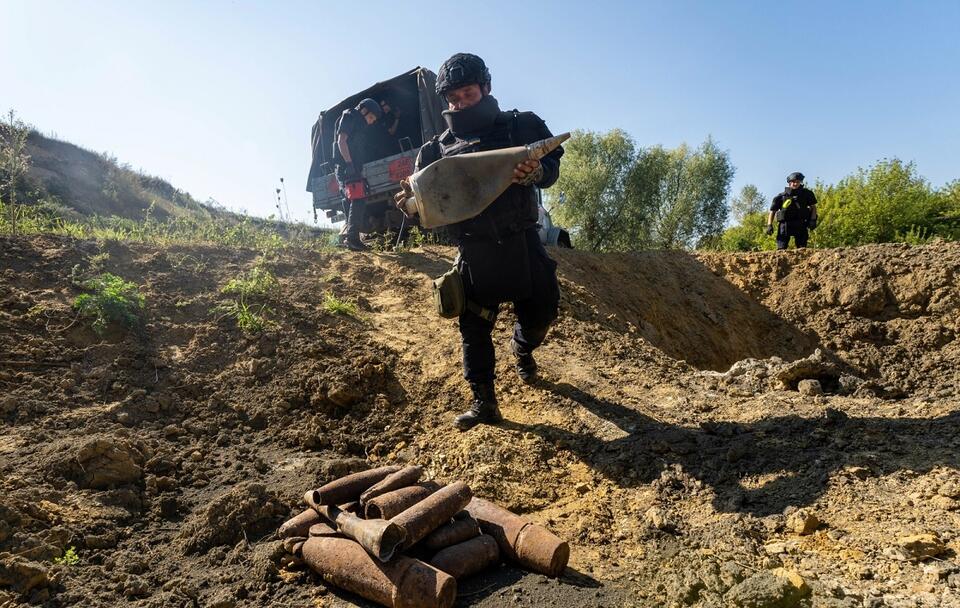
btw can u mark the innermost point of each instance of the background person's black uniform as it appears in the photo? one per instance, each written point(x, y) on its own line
point(796, 205)
point(360, 141)
point(501, 256)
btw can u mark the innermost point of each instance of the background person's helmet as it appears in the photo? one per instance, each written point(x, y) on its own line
point(796, 176)
point(459, 71)
point(370, 106)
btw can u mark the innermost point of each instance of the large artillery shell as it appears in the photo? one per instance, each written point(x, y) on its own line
point(451, 533)
point(433, 511)
point(290, 543)
point(532, 545)
point(379, 537)
point(402, 583)
point(347, 489)
point(468, 557)
point(460, 187)
point(387, 505)
point(299, 525)
point(406, 476)
point(322, 529)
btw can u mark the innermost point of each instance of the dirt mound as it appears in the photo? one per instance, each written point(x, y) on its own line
point(891, 310)
point(676, 439)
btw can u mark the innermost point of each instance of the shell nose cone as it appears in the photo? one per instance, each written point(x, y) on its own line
point(539, 149)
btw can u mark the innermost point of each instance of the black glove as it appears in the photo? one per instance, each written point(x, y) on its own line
point(769, 229)
point(812, 223)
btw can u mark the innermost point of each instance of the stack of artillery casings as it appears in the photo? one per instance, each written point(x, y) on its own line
point(366, 533)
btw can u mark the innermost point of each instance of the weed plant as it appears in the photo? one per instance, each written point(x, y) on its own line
point(259, 281)
point(111, 300)
point(250, 319)
point(335, 306)
point(69, 558)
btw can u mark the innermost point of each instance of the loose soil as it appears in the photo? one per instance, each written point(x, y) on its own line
point(667, 439)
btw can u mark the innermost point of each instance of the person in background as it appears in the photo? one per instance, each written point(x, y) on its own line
point(795, 210)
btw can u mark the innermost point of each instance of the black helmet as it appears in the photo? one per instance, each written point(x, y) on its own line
point(796, 176)
point(370, 106)
point(459, 71)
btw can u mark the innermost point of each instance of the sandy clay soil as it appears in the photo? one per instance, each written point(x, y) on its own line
point(675, 438)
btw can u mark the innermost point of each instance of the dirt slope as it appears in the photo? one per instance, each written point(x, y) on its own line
point(667, 440)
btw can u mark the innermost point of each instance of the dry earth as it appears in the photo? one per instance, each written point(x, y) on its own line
point(667, 441)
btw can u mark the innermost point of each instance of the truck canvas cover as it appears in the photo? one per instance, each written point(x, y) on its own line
point(413, 96)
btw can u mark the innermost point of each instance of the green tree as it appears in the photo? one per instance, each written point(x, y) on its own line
point(888, 202)
point(14, 162)
point(748, 200)
point(617, 197)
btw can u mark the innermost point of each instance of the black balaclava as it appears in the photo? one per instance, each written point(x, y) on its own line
point(475, 119)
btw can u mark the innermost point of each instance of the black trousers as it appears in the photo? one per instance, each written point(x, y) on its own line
point(535, 310)
point(792, 228)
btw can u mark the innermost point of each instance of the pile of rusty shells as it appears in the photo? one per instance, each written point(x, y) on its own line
point(396, 540)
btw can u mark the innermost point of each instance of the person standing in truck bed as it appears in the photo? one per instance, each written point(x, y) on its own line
point(354, 140)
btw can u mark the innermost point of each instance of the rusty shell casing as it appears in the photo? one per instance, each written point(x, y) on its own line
point(451, 533)
point(348, 488)
point(387, 505)
point(469, 557)
point(381, 538)
point(525, 542)
point(300, 524)
point(290, 543)
point(322, 529)
point(406, 476)
point(404, 582)
point(433, 511)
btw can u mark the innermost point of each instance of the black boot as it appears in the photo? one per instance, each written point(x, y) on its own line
point(353, 243)
point(355, 222)
point(525, 363)
point(484, 409)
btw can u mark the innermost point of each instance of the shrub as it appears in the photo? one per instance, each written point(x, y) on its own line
point(112, 300)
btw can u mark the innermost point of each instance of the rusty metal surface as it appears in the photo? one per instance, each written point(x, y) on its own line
point(348, 488)
point(406, 476)
point(300, 524)
point(290, 543)
point(401, 583)
point(322, 529)
point(468, 557)
point(453, 532)
point(433, 511)
point(392, 503)
point(379, 537)
point(530, 544)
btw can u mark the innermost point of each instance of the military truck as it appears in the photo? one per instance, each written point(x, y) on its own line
point(412, 95)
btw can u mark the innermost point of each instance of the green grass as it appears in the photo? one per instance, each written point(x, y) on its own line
point(259, 281)
point(250, 319)
point(110, 300)
point(49, 217)
point(335, 306)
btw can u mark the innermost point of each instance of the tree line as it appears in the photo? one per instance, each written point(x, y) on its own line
point(613, 195)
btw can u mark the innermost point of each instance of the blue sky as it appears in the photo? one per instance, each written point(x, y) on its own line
point(219, 97)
